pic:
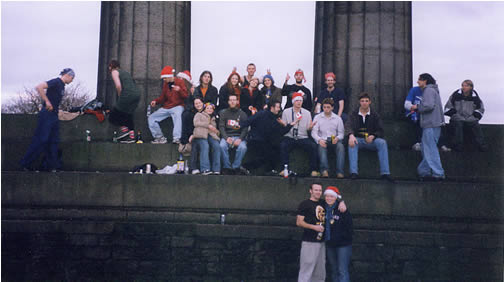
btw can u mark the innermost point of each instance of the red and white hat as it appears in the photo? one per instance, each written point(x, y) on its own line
point(330, 74)
point(185, 75)
point(300, 71)
point(334, 191)
point(167, 72)
point(297, 96)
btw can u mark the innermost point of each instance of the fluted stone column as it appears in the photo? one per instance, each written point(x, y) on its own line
point(143, 37)
point(368, 46)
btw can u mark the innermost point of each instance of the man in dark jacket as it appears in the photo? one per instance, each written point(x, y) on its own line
point(289, 90)
point(264, 127)
point(465, 109)
point(233, 136)
point(366, 132)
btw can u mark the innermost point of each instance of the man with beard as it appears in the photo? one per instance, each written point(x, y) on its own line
point(289, 89)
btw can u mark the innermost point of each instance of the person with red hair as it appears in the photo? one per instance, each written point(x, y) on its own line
point(232, 86)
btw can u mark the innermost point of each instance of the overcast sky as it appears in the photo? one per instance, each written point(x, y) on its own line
point(451, 40)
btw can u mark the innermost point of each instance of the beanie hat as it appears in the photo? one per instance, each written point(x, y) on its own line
point(270, 77)
point(68, 71)
point(297, 96)
point(300, 71)
point(330, 74)
point(167, 72)
point(334, 191)
point(185, 75)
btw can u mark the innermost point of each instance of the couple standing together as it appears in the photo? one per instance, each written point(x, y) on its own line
point(327, 226)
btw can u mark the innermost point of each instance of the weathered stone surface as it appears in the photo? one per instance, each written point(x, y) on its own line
point(372, 43)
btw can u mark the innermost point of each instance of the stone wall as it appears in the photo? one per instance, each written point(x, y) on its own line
point(115, 226)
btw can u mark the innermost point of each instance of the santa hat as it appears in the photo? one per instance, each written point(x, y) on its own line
point(334, 191)
point(330, 74)
point(167, 72)
point(185, 75)
point(300, 71)
point(297, 96)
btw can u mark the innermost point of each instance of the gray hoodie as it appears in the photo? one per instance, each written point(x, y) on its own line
point(430, 107)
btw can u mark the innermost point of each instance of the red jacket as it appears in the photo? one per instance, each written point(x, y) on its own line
point(170, 98)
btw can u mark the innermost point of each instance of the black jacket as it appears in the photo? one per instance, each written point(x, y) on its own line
point(256, 101)
point(287, 90)
point(373, 124)
point(341, 229)
point(264, 127)
point(223, 97)
point(276, 94)
point(211, 97)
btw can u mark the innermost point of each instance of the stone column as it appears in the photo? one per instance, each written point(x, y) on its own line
point(143, 37)
point(368, 46)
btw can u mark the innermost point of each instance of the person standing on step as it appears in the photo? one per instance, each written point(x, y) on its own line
point(311, 217)
point(172, 100)
point(46, 137)
point(431, 120)
point(251, 70)
point(129, 97)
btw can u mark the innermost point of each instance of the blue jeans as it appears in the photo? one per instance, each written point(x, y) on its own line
point(45, 139)
point(339, 149)
point(204, 146)
point(240, 153)
point(339, 259)
point(431, 162)
point(379, 145)
point(161, 114)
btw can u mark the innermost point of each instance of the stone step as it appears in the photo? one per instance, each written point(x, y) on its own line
point(108, 156)
point(271, 196)
point(399, 134)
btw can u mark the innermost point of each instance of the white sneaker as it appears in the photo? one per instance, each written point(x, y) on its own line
point(206, 172)
point(216, 172)
point(160, 140)
point(176, 141)
point(417, 147)
point(445, 149)
point(195, 171)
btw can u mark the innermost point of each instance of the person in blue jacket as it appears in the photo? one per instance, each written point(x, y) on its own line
point(338, 236)
point(46, 137)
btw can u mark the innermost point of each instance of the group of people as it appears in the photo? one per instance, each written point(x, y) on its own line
point(327, 232)
point(246, 114)
point(243, 116)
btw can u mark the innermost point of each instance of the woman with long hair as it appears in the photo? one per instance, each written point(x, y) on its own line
point(251, 99)
point(232, 86)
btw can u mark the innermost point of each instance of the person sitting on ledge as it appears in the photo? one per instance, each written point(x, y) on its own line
point(465, 109)
point(366, 132)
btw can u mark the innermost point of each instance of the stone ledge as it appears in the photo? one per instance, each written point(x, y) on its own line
point(228, 193)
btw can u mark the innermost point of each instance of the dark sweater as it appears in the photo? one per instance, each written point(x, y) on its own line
point(373, 125)
point(264, 127)
point(341, 229)
point(276, 94)
point(211, 97)
point(256, 101)
point(229, 122)
point(224, 97)
point(287, 90)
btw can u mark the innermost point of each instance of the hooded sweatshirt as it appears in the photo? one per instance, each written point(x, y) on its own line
point(430, 107)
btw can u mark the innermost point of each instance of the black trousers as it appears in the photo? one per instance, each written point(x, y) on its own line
point(119, 118)
point(265, 154)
